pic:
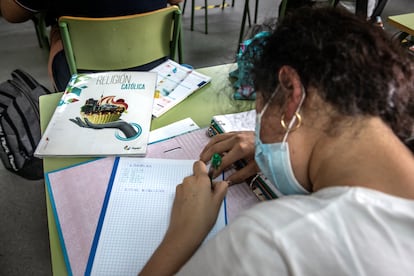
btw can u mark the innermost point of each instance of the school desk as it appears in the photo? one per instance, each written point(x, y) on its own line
point(213, 99)
point(404, 23)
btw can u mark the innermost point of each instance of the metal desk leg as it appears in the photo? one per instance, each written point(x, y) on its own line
point(243, 24)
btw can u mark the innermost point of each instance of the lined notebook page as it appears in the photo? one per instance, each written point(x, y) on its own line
point(137, 214)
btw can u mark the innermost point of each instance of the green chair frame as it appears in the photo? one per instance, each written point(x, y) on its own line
point(247, 16)
point(121, 42)
point(39, 21)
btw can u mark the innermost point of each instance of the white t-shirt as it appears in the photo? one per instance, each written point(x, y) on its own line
point(335, 231)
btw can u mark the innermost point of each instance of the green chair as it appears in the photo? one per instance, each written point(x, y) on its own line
point(246, 16)
point(41, 30)
point(116, 43)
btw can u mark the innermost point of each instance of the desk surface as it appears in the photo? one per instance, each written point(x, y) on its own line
point(404, 22)
point(213, 99)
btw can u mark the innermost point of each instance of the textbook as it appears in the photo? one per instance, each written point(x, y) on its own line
point(175, 82)
point(101, 114)
point(243, 121)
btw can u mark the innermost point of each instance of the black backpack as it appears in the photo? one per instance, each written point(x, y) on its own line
point(20, 124)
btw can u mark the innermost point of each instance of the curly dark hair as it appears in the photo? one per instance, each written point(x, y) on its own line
point(354, 66)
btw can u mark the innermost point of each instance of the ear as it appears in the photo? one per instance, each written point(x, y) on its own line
point(292, 87)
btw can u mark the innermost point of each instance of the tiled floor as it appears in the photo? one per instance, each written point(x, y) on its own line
point(24, 244)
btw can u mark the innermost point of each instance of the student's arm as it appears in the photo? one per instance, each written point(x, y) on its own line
point(13, 12)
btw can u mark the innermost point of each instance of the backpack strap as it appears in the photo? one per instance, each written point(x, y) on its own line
point(25, 79)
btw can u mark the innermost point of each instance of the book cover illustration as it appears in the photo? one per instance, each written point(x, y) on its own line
point(101, 114)
point(175, 82)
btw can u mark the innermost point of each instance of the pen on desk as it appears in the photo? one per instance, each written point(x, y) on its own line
point(214, 164)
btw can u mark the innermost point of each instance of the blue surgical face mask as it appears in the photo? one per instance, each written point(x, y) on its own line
point(274, 159)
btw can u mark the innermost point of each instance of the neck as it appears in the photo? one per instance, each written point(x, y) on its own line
point(373, 158)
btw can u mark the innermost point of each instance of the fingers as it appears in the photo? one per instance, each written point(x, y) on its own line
point(199, 168)
point(196, 205)
point(200, 173)
point(220, 190)
point(238, 144)
point(218, 144)
point(233, 146)
point(244, 173)
point(201, 178)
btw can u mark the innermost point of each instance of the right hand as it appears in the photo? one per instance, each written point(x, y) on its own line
point(233, 146)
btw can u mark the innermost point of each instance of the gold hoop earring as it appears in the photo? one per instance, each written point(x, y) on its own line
point(298, 120)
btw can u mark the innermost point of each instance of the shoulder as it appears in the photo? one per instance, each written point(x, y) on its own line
point(16, 11)
point(335, 227)
point(329, 205)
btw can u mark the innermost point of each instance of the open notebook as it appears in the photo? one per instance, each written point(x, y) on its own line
point(78, 193)
point(136, 213)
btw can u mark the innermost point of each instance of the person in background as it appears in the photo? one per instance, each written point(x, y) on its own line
point(17, 11)
point(335, 105)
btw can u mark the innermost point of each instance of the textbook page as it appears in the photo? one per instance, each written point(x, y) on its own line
point(175, 82)
point(136, 214)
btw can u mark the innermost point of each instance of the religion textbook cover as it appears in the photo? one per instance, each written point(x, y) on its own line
point(101, 114)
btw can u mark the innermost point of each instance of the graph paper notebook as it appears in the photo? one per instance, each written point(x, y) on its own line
point(77, 194)
point(140, 193)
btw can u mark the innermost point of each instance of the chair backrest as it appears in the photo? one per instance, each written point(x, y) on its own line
point(121, 42)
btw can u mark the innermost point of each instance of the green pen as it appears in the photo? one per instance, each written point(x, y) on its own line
point(214, 164)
